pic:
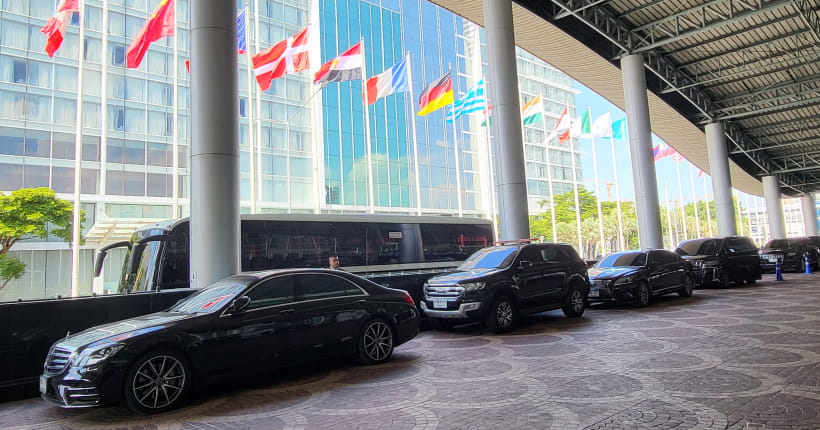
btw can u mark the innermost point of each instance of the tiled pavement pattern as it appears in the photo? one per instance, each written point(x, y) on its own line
point(740, 358)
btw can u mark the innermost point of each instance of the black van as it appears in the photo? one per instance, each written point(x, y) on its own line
point(722, 260)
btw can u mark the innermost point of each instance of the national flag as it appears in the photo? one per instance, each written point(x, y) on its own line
point(619, 129)
point(662, 150)
point(581, 126)
point(241, 33)
point(55, 27)
point(160, 24)
point(701, 173)
point(677, 156)
point(346, 67)
point(287, 56)
point(392, 80)
point(562, 126)
point(436, 95)
point(533, 111)
point(602, 126)
point(474, 100)
point(488, 111)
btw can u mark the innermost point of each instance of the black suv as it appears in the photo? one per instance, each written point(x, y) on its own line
point(497, 284)
point(722, 260)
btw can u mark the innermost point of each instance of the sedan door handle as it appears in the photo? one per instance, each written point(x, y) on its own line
point(287, 311)
point(359, 302)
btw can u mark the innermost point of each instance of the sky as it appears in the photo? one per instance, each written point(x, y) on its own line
point(666, 169)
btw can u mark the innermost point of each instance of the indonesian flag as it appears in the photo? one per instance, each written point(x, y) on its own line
point(55, 27)
point(345, 67)
point(392, 80)
point(287, 56)
point(160, 24)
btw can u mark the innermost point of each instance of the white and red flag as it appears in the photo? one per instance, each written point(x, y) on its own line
point(346, 67)
point(287, 56)
point(55, 27)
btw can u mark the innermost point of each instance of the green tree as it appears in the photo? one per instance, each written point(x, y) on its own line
point(27, 213)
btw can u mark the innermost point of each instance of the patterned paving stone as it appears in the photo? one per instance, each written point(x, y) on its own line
point(742, 358)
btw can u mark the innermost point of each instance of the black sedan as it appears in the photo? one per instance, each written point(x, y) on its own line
point(637, 276)
point(251, 321)
point(791, 252)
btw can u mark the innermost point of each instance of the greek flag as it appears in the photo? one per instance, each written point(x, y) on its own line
point(473, 101)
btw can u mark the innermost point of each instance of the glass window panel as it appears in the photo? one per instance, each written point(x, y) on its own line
point(159, 185)
point(35, 176)
point(11, 141)
point(14, 34)
point(62, 179)
point(11, 177)
point(38, 143)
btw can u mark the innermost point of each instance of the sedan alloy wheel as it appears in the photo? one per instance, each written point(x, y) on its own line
point(376, 342)
point(157, 382)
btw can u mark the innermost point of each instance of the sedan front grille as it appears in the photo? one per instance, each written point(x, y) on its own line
point(58, 358)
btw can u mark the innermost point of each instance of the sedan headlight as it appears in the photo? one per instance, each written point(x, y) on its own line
point(473, 286)
point(94, 355)
point(625, 280)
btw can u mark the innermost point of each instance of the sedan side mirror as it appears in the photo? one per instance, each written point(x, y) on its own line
point(239, 304)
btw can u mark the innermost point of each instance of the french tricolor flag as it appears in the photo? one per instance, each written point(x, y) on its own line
point(392, 80)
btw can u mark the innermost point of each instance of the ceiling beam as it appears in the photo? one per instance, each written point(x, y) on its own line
point(787, 64)
point(778, 146)
point(796, 86)
point(705, 17)
point(809, 16)
point(721, 53)
point(798, 101)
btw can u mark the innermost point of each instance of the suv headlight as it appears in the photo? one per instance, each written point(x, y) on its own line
point(94, 355)
point(625, 280)
point(473, 286)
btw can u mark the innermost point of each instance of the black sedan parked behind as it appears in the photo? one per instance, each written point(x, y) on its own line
point(636, 276)
point(251, 321)
point(722, 260)
point(791, 252)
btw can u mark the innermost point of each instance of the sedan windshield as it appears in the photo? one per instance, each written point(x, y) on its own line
point(627, 259)
point(209, 299)
point(490, 258)
point(699, 247)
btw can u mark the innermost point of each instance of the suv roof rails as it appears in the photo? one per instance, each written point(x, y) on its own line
point(517, 241)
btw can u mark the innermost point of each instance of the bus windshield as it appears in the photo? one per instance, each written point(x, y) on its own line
point(140, 265)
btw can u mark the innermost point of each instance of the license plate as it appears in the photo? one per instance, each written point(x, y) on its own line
point(594, 293)
point(43, 384)
point(440, 303)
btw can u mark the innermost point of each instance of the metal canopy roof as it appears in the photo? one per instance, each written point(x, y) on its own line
point(754, 64)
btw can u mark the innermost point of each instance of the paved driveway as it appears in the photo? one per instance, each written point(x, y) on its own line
point(740, 358)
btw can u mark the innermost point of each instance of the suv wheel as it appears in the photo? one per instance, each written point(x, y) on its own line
point(574, 307)
point(642, 295)
point(687, 287)
point(502, 315)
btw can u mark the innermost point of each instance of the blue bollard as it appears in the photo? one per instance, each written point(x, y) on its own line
point(778, 272)
point(807, 264)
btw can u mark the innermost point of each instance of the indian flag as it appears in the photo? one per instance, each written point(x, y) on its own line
point(533, 111)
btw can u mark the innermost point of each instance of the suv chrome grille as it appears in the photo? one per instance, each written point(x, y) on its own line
point(57, 360)
point(443, 290)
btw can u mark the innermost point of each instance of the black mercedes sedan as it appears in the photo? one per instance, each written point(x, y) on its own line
point(251, 321)
point(791, 252)
point(637, 276)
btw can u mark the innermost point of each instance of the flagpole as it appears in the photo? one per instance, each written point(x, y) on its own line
point(668, 213)
point(252, 155)
point(413, 131)
point(597, 186)
point(708, 209)
point(682, 207)
point(549, 176)
point(257, 96)
point(78, 155)
point(736, 198)
point(746, 202)
point(455, 154)
point(491, 181)
point(370, 192)
point(98, 283)
point(621, 244)
point(175, 120)
point(694, 201)
point(575, 191)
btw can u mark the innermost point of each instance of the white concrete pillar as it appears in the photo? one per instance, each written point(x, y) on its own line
point(809, 205)
point(774, 207)
point(721, 181)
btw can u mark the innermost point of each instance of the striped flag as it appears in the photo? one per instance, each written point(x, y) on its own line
point(241, 34)
point(473, 101)
point(533, 111)
point(436, 95)
point(346, 67)
point(392, 80)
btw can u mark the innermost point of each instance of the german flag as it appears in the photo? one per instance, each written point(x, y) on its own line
point(436, 95)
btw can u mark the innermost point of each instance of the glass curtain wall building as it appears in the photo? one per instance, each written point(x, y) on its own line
point(303, 148)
